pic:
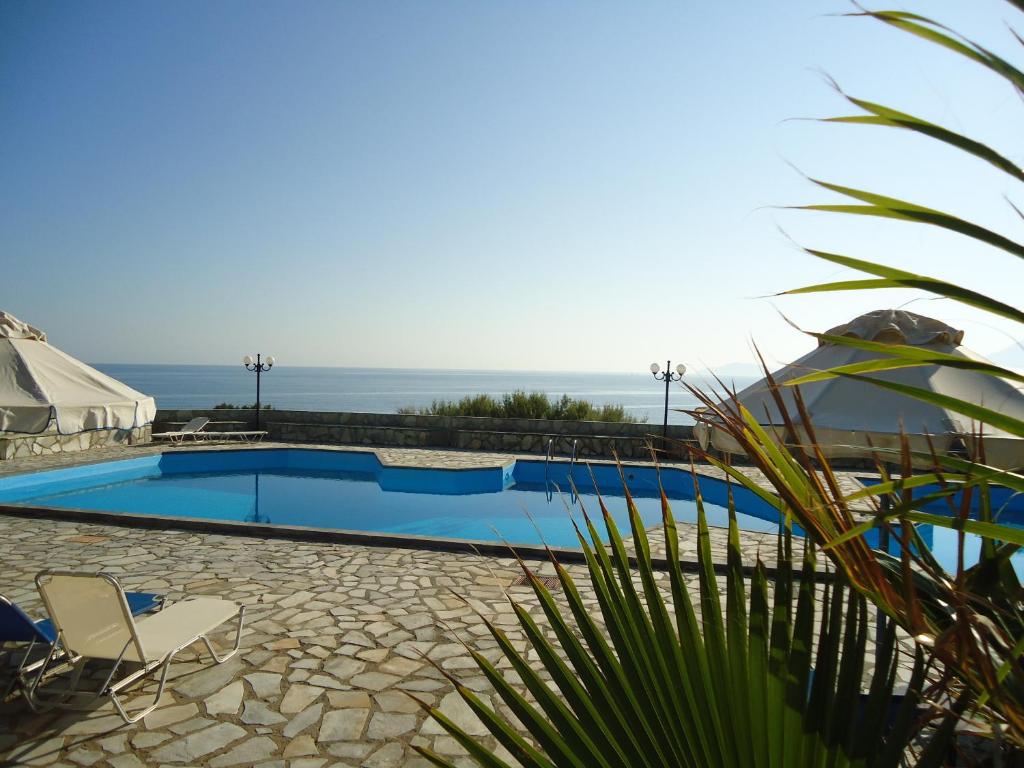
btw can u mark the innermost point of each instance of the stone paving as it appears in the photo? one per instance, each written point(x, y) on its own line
point(340, 641)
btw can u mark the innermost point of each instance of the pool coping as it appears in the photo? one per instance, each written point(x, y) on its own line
point(526, 552)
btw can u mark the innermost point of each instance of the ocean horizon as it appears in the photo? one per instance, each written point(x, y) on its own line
point(385, 390)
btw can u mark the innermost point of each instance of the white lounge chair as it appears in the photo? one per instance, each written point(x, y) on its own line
point(253, 436)
point(94, 621)
point(191, 429)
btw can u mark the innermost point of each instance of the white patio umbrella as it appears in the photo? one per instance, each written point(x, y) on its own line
point(40, 384)
point(850, 417)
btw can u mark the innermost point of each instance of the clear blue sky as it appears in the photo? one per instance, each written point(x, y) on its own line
point(472, 184)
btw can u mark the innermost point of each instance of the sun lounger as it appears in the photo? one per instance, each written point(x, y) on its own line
point(246, 437)
point(17, 627)
point(94, 622)
point(193, 429)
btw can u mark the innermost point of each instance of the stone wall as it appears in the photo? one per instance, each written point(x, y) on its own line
point(16, 446)
point(594, 438)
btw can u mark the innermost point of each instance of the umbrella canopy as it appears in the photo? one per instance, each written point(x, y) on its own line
point(39, 383)
point(850, 417)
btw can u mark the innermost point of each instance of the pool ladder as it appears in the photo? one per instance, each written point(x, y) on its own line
point(573, 458)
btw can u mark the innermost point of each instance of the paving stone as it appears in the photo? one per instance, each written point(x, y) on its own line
point(349, 699)
point(351, 750)
point(303, 720)
point(246, 753)
point(283, 644)
point(93, 725)
point(40, 753)
point(227, 700)
point(414, 621)
point(278, 664)
point(148, 739)
point(202, 684)
point(85, 756)
point(265, 684)
point(343, 725)
point(299, 598)
point(199, 744)
point(388, 756)
point(301, 746)
point(258, 713)
point(387, 725)
point(114, 744)
point(195, 724)
point(396, 701)
point(343, 667)
point(298, 697)
point(400, 666)
point(457, 710)
point(375, 681)
point(323, 681)
point(358, 638)
point(126, 761)
point(165, 716)
point(309, 762)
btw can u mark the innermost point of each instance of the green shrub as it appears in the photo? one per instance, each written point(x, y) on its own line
point(522, 405)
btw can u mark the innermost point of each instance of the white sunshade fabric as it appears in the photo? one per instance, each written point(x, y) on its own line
point(851, 415)
point(39, 382)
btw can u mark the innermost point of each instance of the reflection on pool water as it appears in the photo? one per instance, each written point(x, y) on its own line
point(524, 502)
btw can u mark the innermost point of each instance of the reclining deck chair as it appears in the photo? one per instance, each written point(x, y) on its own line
point(252, 436)
point(94, 622)
point(16, 626)
point(193, 428)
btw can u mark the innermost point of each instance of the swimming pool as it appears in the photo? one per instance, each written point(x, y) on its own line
point(524, 503)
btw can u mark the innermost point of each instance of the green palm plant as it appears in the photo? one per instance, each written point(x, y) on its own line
point(971, 621)
point(969, 624)
point(741, 678)
point(738, 690)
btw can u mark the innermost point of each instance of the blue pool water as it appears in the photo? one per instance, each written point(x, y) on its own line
point(521, 503)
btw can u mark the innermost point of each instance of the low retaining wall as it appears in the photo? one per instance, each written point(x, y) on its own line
point(16, 446)
point(594, 438)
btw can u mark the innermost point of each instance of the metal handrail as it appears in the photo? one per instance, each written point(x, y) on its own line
point(547, 468)
point(573, 496)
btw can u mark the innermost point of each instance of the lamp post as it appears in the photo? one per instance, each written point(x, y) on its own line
point(668, 376)
point(258, 367)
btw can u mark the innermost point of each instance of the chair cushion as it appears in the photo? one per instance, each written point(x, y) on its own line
point(138, 602)
point(182, 623)
point(17, 627)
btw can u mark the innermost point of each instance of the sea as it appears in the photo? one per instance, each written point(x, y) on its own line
point(384, 390)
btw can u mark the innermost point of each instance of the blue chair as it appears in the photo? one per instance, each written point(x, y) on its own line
point(16, 626)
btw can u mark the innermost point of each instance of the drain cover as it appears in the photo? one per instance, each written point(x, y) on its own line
point(551, 582)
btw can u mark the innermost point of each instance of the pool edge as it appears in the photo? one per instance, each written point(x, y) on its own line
point(526, 552)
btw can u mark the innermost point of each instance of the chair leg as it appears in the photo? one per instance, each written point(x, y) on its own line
point(39, 703)
point(238, 640)
point(115, 690)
